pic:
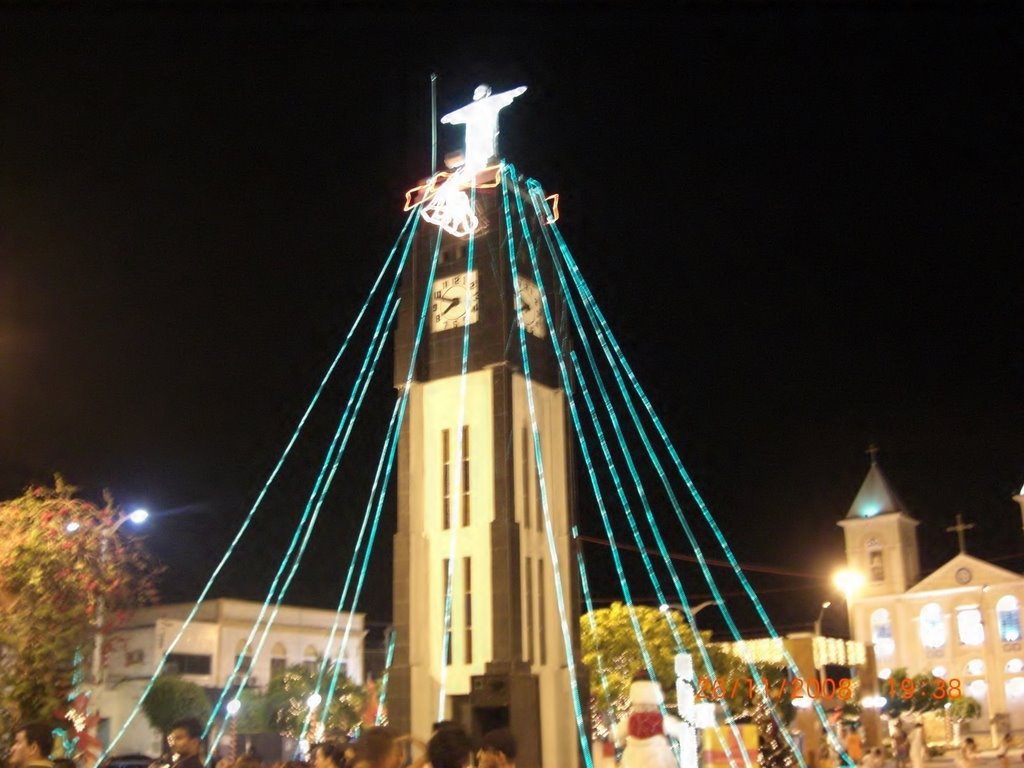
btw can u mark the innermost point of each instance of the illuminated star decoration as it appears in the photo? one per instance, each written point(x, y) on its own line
point(450, 208)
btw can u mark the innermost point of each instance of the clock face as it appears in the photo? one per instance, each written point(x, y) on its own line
point(451, 298)
point(963, 575)
point(531, 312)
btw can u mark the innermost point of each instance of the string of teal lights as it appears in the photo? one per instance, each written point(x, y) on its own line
point(411, 220)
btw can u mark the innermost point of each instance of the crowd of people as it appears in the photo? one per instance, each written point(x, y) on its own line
point(380, 747)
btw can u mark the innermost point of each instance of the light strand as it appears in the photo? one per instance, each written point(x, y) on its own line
point(539, 459)
point(410, 220)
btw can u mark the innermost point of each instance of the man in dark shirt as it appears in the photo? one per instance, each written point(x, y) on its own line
point(185, 740)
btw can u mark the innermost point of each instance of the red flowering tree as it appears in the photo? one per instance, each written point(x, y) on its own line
point(64, 576)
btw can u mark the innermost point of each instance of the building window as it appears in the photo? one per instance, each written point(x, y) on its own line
point(975, 668)
point(468, 574)
point(309, 659)
point(939, 671)
point(969, 626)
point(977, 689)
point(1013, 666)
point(526, 477)
point(541, 620)
point(1008, 618)
point(446, 482)
point(465, 475)
point(933, 626)
point(278, 660)
point(881, 633)
point(187, 664)
point(529, 610)
point(447, 619)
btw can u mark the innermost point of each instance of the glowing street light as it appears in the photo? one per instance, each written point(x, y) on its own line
point(848, 581)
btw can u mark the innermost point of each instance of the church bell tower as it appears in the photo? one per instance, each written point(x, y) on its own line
point(470, 518)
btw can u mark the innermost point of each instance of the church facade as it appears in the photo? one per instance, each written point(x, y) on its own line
point(960, 624)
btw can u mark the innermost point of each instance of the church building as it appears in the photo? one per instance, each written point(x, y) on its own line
point(960, 624)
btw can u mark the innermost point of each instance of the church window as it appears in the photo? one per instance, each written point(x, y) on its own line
point(881, 633)
point(977, 689)
point(446, 481)
point(468, 574)
point(969, 626)
point(1015, 687)
point(939, 671)
point(542, 639)
point(975, 667)
point(876, 563)
point(529, 610)
point(1008, 617)
point(885, 673)
point(1013, 666)
point(932, 626)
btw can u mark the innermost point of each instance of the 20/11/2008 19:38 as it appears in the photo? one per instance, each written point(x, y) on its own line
point(716, 689)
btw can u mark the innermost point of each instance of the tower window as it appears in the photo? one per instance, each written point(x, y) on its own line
point(446, 481)
point(525, 469)
point(541, 624)
point(468, 575)
point(529, 610)
point(876, 563)
point(1008, 617)
point(446, 615)
point(465, 475)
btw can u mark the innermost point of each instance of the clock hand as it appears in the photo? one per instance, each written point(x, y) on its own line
point(452, 304)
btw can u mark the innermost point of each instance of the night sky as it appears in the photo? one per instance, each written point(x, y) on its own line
point(804, 221)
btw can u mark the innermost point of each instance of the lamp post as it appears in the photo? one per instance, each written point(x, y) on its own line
point(694, 609)
point(821, 613)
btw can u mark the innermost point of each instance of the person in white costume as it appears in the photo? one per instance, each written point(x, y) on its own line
point(646, 730)
point(481, 120)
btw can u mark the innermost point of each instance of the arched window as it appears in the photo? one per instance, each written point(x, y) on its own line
point(933, 626)
point(278, 659)
point(969, 626)
point(1008, 618)
point(1013, 666)
point(881, 633)
point(975, 668)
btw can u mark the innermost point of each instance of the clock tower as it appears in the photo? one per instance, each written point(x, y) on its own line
point(470, 517)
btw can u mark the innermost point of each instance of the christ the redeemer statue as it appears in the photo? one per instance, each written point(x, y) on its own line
point(481, 119)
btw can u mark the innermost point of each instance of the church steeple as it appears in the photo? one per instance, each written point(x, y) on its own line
point(876, 496)
point(881, 537)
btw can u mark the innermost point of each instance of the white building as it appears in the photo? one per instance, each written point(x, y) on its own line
point(960, 623)
point(206, 655)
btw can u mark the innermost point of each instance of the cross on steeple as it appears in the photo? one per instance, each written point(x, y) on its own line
point(960, 527)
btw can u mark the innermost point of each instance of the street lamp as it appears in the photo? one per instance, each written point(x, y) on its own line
point(821, 613)
point(694, 609)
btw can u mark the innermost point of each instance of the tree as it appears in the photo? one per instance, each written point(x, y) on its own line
point(964, 708)
point(287, 700)
point(172, 698)
point(905, 694)
point(61, 570)
point(615, 640)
